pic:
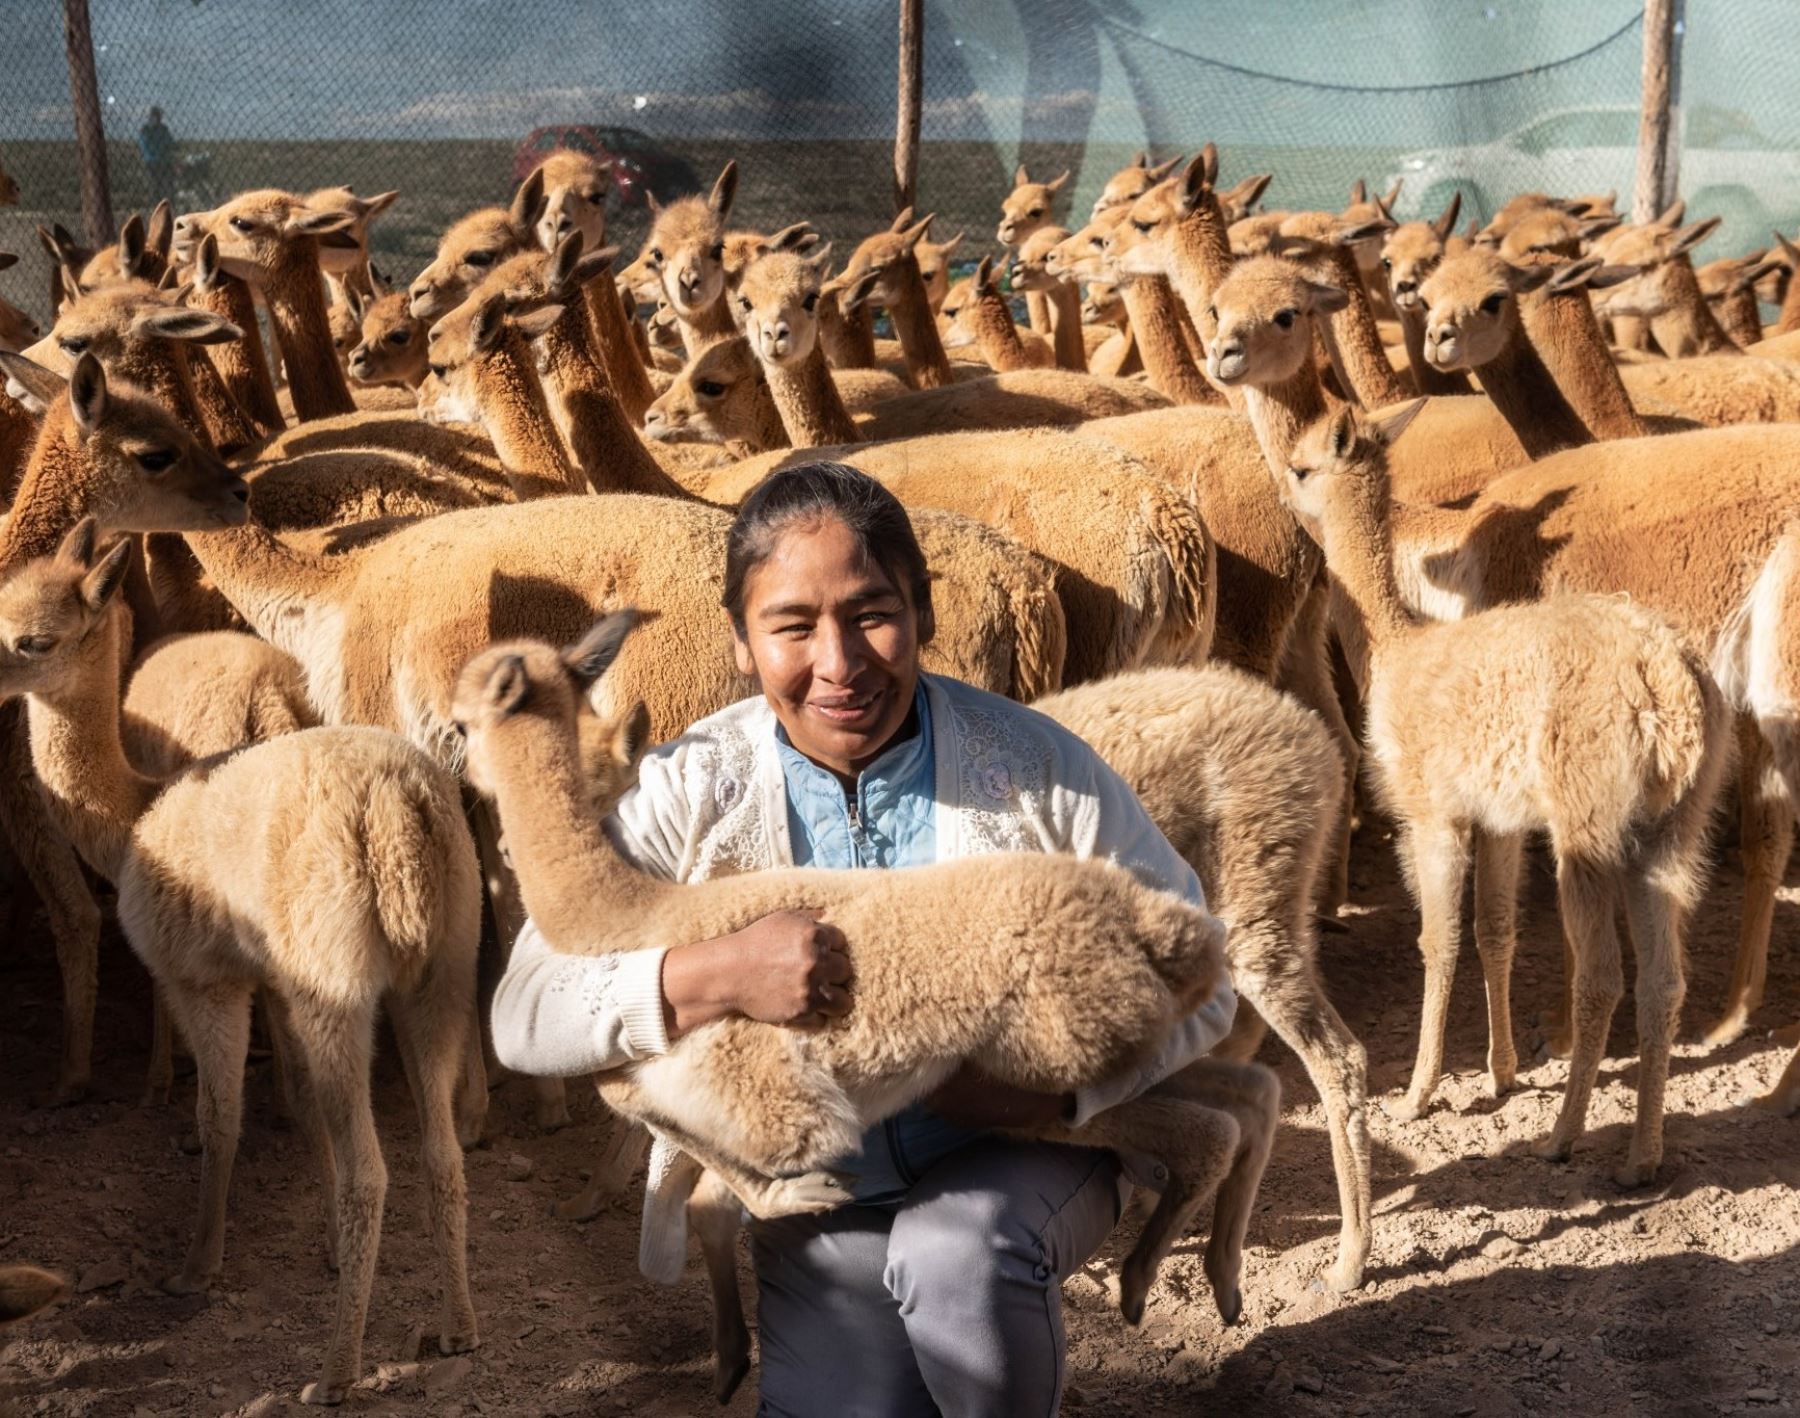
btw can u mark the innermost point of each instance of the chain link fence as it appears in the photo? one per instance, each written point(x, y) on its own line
point(450, 100)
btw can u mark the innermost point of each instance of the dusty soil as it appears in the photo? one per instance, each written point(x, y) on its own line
point(1499, 1284)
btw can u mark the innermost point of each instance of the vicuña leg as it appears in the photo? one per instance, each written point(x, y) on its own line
point(1437, 856)
point(1306, 674)
point(55, 874)
point(216, 1023)
point(432, 1028)
point(337, 1047)
point(714, 1214)
point(1586, 892)
point(303, 1107)
point(1766, 835)
point(1656, 917)
point(1497, 861)
point(625, 1148)
point(1784, 1097)
point(1274, 971)
point(159, 1083)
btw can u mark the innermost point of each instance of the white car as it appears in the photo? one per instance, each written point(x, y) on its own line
point(1726, 167)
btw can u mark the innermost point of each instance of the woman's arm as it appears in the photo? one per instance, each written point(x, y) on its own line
point(560, 1016)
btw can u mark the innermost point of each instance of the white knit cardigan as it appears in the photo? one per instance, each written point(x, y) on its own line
point(714, 803)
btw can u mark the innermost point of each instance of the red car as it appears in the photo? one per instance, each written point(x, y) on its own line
point(639, 166)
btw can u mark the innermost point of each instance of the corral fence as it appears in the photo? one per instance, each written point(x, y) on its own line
point(448, 100)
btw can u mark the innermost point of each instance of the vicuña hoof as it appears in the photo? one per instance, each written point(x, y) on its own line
point(458, 1341)
point(66, 1094)
point(1781, 1104)
point(1787, 1036)
point(323, 1395)
point(155, 1095)
point(1727, 1029)
point(1343, 1277)
point(583, 1206)
point(181, 1283)
point(1231, 1305)
point(1634, 1174)
point(808, 1194)
point(1408, 1108)
point(728, 1374)
point(551, 1115)
point(1561, 1042)
point(1552, 1150)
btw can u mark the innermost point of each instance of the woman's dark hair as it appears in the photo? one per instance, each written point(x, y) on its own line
point(811, 492)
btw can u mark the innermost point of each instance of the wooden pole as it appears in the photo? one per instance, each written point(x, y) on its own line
point(1649, 193)
point(906, 125)
point(90, 131)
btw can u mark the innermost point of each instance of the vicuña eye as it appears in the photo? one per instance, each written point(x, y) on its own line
point(1285, 319)
point(711, 388)
point(156, 460)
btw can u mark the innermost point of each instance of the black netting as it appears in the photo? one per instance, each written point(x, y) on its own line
point(440, 98)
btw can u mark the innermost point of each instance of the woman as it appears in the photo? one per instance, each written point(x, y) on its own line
point(938, 1291)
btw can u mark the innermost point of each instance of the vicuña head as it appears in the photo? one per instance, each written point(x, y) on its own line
point(777, 304)
point(1027, 206)
point(1472, 306)
point(1258, 328)
point(138, 468)
point(687, 244)
point(1142, 244)
point(1412, 252)
point(1337, 471)
point(713, 399)
point(575, 188)
point(877, 266)
point(1659, 258)
point(49, 609)
point(514, 697)
point(472, 247)
point(1132, 181)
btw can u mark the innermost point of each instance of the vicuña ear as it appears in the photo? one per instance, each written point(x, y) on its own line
point(1672, 214)
point(912, 234)
point(42, 384)
point(1340, 436)
point(1789, 250)
point(1691, 236)
point(201, 327)
point(633, 736)
point(1198, 177)
point(592, 655)
point(320, 223)
point(131, 245)
point(1328, 299)
point(1572, 275)
point(159, 231)
point(1020, 176)
point(1393, 193)
point(1608, 276)
point(87, 394)
point(798, 237)
point(7, 259)
point(488, 323)
point(1524, 279)
point(99, 585)
point(592, 263)
point(78, 545)
point(819, 261)
point(1750, 275)
point(1590, 227)
point(1141, 160)
point(902, 220)
point(946, 247)
point(527, 204)
point(1391, 426)
point(1056, 184)
point(561, 265)
point(533, 323)
point(507, 685)
point(1446, 222)
point(373, 207)
point(724, 191)
point(1163, 169)
point(206, 262)
point(984, 274)
point(859, 290)
point(1349, 233)
point(1359, 192)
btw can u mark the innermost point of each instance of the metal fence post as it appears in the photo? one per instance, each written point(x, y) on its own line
point(906, 123)
point(90, 131)
point(1654, 178)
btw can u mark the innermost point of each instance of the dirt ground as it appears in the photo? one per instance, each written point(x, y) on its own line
point(1499, 1284)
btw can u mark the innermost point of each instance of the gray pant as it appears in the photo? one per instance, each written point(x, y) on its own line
point(950, 1304)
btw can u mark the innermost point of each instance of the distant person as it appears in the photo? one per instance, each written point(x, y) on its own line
point(157, 146)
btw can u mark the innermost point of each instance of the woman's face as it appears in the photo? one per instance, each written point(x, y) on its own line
point(834, 644)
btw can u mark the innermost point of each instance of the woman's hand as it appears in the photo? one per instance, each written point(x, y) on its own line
point(788, 968)
point(970, 1099)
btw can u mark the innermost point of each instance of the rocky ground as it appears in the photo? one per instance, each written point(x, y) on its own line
point(1499, 1284)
